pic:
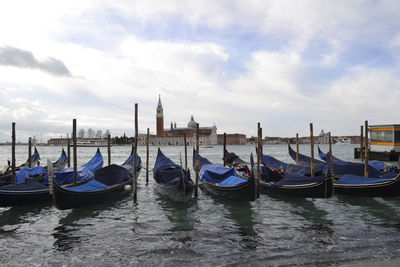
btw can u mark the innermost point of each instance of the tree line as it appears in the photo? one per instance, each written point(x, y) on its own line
point(90, 133)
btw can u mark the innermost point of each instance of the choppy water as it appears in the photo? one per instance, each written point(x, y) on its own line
point(207, 231)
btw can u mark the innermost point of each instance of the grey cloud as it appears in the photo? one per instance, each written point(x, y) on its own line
point(11, 56)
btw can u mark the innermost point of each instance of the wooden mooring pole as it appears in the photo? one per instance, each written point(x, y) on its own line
point(366, 150)
point(261, 147)
point(258, 154)
point(362, 144)
point(13, 153)
point(259, 159)
point(74, 149)
point(147, 154)
point(184, 141)
point(196, 188)
point(330, 145)
point(30, 152)
point(69, 151)
point(312, 149)
point(224, 152)
point(135, 155)
point(297, 148)
point(109, 149)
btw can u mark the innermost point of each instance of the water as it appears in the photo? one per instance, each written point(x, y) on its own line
point(204, 232)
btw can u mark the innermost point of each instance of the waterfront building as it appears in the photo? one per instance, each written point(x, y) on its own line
point(175, 135)
point(323, 137)
point(384, 143)
point(232, 139)
point(385, 138)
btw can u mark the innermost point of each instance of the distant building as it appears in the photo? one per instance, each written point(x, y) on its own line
point(232, 139)
point(175, 136)
point(323, 137)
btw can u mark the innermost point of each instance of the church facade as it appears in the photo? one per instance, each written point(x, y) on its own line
point(175, 135)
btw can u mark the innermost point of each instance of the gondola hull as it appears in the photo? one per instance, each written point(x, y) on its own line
point(68, 199)
point(384, 189)
point(322, 189)
point(245, 191)
point(172, 181)
point(176, 192)
point(19, 198)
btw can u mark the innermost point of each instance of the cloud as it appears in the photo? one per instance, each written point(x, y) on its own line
point(11, 56)
point(233, 63)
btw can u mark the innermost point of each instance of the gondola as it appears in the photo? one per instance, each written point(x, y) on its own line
point(36, 188)
point(172, 180)
point(306, 160)
point(225, 182)
point(108, 183)
point(356, 185)
point(339, 168)
point(38, 173)
point(376, 185)
point(385, 170)
point(5, 179)
point(281, 178)
point(323, 156)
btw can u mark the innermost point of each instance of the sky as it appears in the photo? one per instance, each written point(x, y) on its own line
point(285, 64)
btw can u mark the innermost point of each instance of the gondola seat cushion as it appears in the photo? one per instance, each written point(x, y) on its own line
point(24, 172)
point(92, 185)
point(113, 174)
point(297, 180)
point(216, 173)
point(232, 181)
point(28, 186)
point(356, 179)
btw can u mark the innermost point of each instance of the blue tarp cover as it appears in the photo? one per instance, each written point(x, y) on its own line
point(129, 161)
point(168, 173)
point(303, 159)
point(232, 181)
point(165, 170)
point(297, 180)
point(273, 163)
point(31, 185)
point(95, 163)
point(379, 165)
point(66, 176)
point(376, 164)
point(92, 185)
point(356, 179)
point(35, 171)
point(63, 157)
point(215, 173)
point(343, 167)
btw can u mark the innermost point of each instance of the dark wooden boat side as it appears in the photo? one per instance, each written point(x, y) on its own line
point(25, 197)
point(322, 189)
point(245, 191)
point(175, 192)
point(19, 198)
point(68, 199)
point(383, 189)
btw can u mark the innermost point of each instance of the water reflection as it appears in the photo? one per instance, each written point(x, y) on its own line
point(242, 214)
point(15, 216)
point(180, 214)
point(68, 235)
point(379, 209)
point(306, 208)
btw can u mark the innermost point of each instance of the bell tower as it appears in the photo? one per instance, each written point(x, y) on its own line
point(160, 118)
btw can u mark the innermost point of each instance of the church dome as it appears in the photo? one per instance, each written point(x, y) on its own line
point(322, 133)
point(191, 123)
